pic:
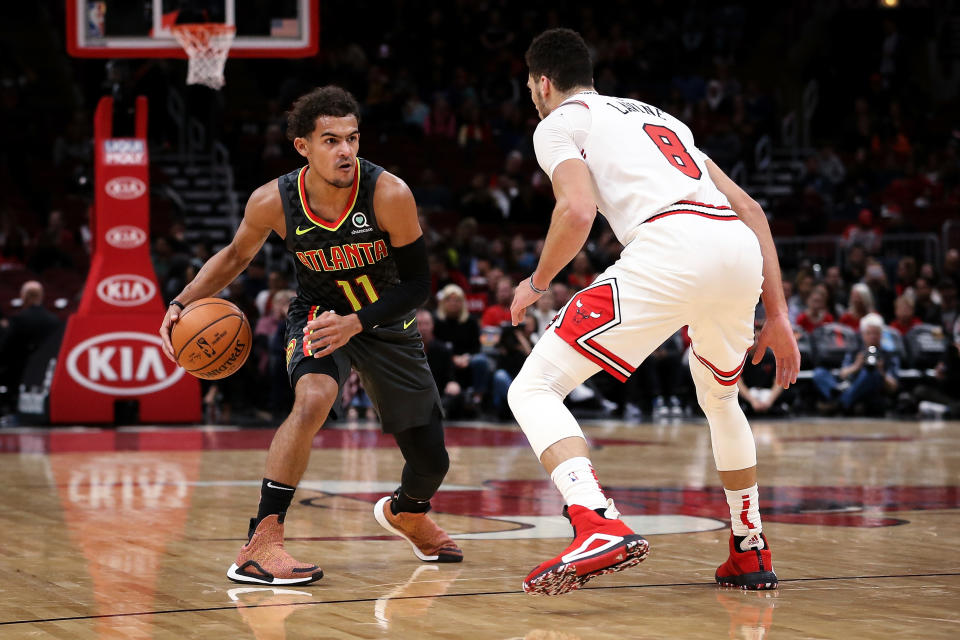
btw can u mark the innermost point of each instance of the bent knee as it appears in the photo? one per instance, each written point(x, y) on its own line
point(315, 395)
point(518, 391)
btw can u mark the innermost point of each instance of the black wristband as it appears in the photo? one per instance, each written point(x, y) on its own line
point(176, 302)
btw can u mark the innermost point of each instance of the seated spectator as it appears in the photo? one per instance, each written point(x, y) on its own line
point(833, 281)
point(816, 313)
point(856, 263)
point(951, 264)
point(942, 390)
point(656, 381)
point(543, 311)
point(759, 392)
point(280, 395)
point(26, 331)
point(267, 327)
point(802, 286)
point(442, 274)
point(904, 318)
point(512, 350)
point(440, 358)
point(355, 400)
point(582, 273)
point(55, 245)
point(440, 122)
point(863, 233)
point(561, 294)
point(455, 325)
point(861, 303)
point(498, 313)
point(906, 275)
point(794, 306)
point(872, 372)
point(276, 281)
point(876, 279)
point(925, 306)
point(948, 303)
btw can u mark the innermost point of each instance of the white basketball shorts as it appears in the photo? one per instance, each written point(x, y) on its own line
point(692, 268)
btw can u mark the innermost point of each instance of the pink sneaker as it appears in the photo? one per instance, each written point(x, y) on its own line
point(263, 560)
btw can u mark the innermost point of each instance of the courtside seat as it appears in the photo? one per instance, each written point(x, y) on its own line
point(831, 342)
point(926, 345)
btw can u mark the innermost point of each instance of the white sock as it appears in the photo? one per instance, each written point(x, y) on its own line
point(745, 516)
point(577, 481)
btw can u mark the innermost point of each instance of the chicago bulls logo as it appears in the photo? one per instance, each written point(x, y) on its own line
point(582, 315)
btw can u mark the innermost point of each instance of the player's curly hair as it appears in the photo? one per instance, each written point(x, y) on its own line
point(562, 56)
point(322, 101)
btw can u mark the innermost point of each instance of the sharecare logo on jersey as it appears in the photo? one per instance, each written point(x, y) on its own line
point(122, 363)
point(126, 236)
point(124, 151)
point(126, 290)
point(125, 188)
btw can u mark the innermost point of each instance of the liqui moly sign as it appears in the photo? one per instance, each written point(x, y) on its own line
point(122, 363)
point(125, 151)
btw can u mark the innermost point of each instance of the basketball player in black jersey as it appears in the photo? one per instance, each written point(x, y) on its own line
point(362, 271)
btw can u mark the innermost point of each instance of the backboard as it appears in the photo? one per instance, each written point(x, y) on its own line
point(141, 28)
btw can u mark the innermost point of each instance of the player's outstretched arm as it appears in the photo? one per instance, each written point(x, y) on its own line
point(263, 214)
point(570, 226)
point(777, 332)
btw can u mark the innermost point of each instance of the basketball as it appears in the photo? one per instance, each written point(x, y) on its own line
point(212, 338)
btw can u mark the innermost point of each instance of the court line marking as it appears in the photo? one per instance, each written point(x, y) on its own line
point(460, 595)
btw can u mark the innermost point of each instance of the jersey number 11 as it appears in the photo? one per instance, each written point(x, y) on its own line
point(364, 283)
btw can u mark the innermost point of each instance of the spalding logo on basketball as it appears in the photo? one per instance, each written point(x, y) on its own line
point(122, 363)
point(212, 338)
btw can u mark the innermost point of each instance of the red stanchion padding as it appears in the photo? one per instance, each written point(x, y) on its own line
point(111, 348)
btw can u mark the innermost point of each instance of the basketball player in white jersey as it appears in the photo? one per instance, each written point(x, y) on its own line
point(697, 251)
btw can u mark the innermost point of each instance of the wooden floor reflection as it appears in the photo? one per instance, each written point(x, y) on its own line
point(128, 534)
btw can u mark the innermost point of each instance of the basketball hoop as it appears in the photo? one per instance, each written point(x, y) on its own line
point(207, 45)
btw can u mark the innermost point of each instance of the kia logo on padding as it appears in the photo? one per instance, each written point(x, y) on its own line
point(126, 236)
point(126, 290)
point(122, 363)
point(125, 188)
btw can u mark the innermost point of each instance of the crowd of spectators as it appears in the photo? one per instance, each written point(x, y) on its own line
point(449, 84)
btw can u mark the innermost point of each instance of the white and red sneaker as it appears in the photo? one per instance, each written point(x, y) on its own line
point(750, 565)
point(602, 544)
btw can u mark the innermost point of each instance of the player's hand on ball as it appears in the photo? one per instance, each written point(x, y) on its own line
point(173, 314)
point(329, 331)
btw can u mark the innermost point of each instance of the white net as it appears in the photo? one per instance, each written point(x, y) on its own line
point(207, 45)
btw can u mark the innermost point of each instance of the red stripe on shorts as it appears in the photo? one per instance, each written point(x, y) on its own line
point(690, 211)
point(726, 378)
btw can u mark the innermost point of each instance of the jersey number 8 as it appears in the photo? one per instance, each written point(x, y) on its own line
point(673, 150)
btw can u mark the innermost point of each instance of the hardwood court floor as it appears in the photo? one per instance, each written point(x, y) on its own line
point(128, 534)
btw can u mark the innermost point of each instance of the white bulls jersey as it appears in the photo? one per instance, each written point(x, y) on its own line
point(642, 160)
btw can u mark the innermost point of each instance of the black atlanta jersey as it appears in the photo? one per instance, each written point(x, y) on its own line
point(343, 264)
